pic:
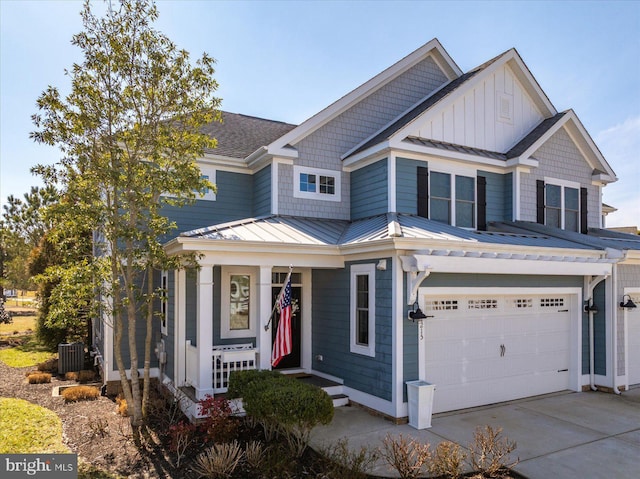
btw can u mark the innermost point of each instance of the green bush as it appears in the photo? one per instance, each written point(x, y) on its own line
point(282, 403)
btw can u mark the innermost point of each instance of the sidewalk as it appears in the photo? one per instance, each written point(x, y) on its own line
point(564, 435)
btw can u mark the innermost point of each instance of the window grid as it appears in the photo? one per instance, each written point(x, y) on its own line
point(482, 304)
point(551, 302)
point(441, 305)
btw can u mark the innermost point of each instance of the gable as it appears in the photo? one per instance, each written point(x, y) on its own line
point(493, 114)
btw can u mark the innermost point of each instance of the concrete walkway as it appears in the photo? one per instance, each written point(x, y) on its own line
point(564, 435)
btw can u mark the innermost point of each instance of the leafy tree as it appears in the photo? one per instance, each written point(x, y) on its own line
point(129, 133)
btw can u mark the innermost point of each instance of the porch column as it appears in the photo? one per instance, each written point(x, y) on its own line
point(263, 338)
point(205, 331)
point(180, 326)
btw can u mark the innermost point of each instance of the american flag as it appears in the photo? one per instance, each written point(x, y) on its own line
point(282, 343)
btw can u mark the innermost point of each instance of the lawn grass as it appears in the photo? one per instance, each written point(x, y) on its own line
point(19, 323)
point(29, 353)
point(29, 429)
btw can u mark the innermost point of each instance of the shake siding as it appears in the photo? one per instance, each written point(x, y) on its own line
point(407, 185)
point(331, 323)
point(234, 200)
point(369, 192)
point(324, 147)
point(262, 192)
point(169, 339)
point(560, 159)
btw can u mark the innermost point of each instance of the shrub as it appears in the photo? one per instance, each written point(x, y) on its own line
point(219, 461)
point(182, 435)
point(282, 403)
point(255, 453)
point(121, 404)
point(408, 457)
point(39, 378)
point(49, 366)
point(219, 425)
point(447, 460)
point(80, 393)
point(5, 316)
point(350, 464)
point(489, 453)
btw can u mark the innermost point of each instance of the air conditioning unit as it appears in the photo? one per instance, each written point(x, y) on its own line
point(70, 357)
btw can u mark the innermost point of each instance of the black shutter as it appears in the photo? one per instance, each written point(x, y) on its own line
point(423, 192)
point(540, 201)
point(584, 226)
point(481, 182)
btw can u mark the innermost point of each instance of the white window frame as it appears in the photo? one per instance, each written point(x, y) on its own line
point(370, 271)
point(225, 327)
point(453, 173)
point(318, 172)
point(209, 172)
point(164, 302)
point(562, 184)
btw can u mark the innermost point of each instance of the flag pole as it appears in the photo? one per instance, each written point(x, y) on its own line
point(266, 326)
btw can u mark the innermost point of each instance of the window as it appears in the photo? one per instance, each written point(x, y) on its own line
point(208, 173)
point(237, 307)
point(164, 301)
point(452, 199)
point(315, 183)
point(363, 292)
point(561, 204)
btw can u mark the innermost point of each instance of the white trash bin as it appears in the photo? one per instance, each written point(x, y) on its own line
point(420, 395)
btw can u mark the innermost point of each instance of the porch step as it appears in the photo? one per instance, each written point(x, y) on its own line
point(340, 400)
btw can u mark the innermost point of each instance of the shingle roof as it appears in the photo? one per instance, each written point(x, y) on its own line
point(535, 134)
point(240, 135)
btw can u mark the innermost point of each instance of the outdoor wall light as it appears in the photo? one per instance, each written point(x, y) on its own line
point(629, 304)
point(416, 313)
point(589, 307)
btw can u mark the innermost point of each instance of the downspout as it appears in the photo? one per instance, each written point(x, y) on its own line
point(614, 318)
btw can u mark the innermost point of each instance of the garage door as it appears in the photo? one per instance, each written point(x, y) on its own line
point(486, 349)
point(633, 342)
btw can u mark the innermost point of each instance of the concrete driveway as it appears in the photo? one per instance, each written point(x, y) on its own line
point(564, 435)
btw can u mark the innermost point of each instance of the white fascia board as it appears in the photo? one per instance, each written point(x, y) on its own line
point(366, 157)
point(226, 163)
point(432, 48)
point(449, 264)
point(530, 84)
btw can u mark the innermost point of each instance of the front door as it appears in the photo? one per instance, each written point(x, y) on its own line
point(292, 360)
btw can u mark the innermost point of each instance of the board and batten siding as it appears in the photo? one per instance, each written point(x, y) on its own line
point(475, 118)
point(628, 277)
point(331, 338)
point(369, 190)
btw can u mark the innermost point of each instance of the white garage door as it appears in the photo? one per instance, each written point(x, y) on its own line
point(486, 349)
point(633, 342)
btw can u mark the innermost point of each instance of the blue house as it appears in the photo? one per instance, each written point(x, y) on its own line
point(465, 195)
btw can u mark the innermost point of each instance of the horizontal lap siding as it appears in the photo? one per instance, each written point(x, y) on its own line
point(407, 185)
point(262, 192)
point(599, 331)
point(498, 200)
point(369, 190)
point(331, 323)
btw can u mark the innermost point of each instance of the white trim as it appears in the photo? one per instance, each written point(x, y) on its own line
point(179, 326)
point(454, 171)
point(397, 338)
point(432, 48)
point(210, 173)
point(369, 270)
point(563, 184)
point(629, 291)
point(375, 403)
point(391, 183)
point(515, 214)
point(317, 195)
point(164, 302)
point(225, 290)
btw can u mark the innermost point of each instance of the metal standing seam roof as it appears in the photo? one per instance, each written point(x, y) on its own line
point(314, 231)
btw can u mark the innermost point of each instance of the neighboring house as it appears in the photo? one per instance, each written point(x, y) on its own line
point(467, 195)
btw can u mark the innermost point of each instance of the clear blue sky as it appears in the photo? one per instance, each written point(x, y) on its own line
point(288, 60)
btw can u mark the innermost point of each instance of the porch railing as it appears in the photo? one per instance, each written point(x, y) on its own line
point(229, 358)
